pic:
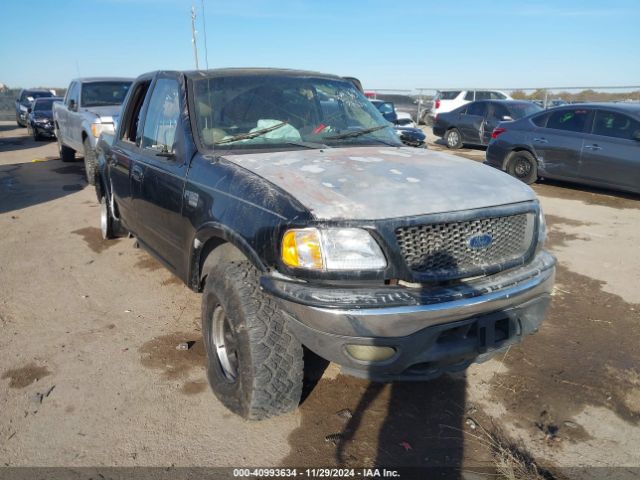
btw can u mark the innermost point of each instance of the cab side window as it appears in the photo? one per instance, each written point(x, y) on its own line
point(469, 96)
point(72, 95)
point(612, 124)
point(162, 116)
point(130, 124)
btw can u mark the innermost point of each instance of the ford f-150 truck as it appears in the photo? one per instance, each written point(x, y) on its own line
point(290, 203)
point(87, 110)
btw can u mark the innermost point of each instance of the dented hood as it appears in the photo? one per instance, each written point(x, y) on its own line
point(371, 183)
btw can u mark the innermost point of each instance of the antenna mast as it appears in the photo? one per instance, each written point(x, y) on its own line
point(204, 27)
point(193, 35)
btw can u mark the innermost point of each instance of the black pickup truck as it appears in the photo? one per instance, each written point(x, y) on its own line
point(289, 202)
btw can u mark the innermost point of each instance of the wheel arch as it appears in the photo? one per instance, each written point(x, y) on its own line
point(519, 148)
point(212, 243)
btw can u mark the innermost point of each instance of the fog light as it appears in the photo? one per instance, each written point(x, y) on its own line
point(370, 353)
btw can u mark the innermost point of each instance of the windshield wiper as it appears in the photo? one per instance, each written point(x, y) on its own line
point(313, 145)
point(355, 133)
point(246, 136)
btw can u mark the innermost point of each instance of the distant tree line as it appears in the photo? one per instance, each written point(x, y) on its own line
point(583, 96)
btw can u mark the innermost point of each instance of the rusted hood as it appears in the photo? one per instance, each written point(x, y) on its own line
point(370, 183)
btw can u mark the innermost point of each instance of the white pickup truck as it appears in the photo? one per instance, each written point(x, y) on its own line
point(88, 110)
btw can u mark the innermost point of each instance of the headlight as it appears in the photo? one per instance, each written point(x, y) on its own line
point(542, 230)
point(331, 249)
point(42, 120)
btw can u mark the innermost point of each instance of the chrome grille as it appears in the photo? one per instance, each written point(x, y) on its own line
point(445, 249)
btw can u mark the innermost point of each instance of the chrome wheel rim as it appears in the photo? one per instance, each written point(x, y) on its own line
point(104, 212)
point(522, 167)
point(224, 344)
point(452, 139)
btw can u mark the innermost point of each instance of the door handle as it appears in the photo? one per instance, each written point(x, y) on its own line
point(593, 147)
point(137, 174)
point(541, 140)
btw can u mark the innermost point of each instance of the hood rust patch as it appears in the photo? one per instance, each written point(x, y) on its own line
point(368, 183)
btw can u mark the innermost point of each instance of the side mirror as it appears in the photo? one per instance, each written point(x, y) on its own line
point(72, 105)
point(29, 110)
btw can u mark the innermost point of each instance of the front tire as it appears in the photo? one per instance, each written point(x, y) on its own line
point(523, 166)
point(453, 139)
point(254, 363)
point(90, 162)
point(66, 154)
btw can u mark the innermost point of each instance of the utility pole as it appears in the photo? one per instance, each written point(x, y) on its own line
point(193, 35)
point(204, 28)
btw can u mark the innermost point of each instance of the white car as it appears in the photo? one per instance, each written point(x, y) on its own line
point(447, 100)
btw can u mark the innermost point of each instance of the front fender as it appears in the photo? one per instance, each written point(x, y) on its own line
point(217, 233)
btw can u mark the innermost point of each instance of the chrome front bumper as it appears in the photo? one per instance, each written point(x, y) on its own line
point(432, 330)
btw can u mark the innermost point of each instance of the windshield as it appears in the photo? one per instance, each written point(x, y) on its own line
point(28, 96)
point(519, 110)
point(269, 111)
point(44, 105)
point(98, 94)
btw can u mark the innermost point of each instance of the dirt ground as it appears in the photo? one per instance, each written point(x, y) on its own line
point(90, 374)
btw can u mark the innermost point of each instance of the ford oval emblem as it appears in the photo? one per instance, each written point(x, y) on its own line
point(482, 240)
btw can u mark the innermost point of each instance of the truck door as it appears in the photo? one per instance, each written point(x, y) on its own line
point(70, 102)
point(124, 153)
point(158, 178)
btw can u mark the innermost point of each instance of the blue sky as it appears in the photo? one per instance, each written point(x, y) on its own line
point(401, 45)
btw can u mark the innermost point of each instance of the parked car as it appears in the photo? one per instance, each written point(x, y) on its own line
point(448, 100)
point(558, 102)
point(86, 112)
point(474, 122)
point(23, 102)
point(303, 221)
point(406, 130)
point(412, 136)
point(388, 111)
point(40, 117)
point(592, 144)
point(406, 105)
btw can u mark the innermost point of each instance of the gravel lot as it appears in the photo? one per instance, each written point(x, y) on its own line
point(90, 375)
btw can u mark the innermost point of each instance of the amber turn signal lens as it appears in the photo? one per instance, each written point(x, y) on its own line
point(301, 248)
